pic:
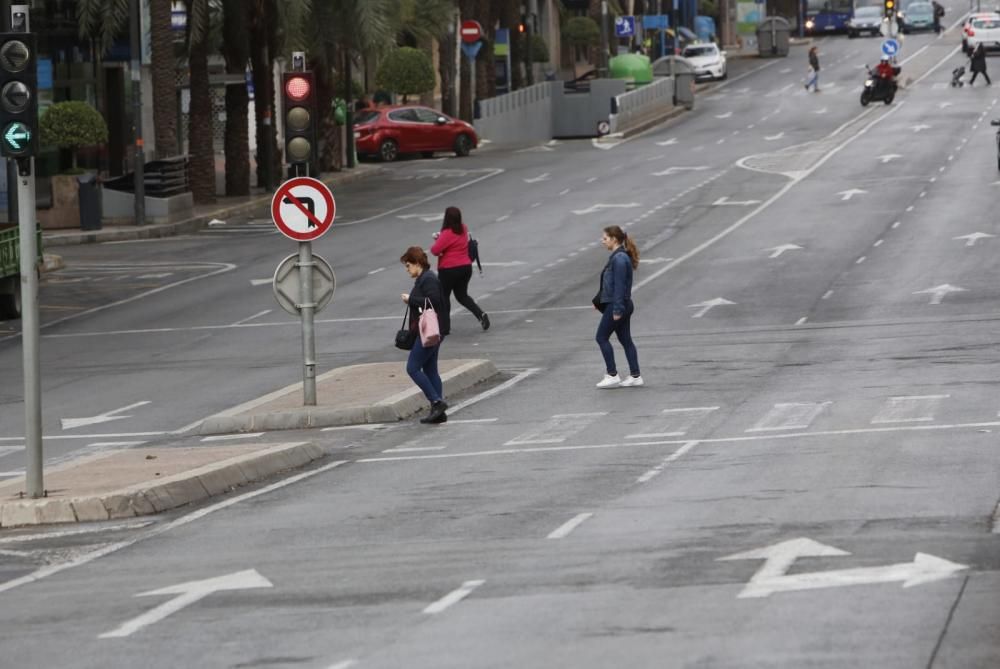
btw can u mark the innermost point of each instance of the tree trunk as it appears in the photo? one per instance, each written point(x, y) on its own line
point(486, 84)
point(164, 70)
point(330, 150)
point(236, 48)
point(200, 127)
point(468, 10)
point(446, 70)
point(427, 97)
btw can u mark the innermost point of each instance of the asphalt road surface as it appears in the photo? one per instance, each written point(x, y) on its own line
point(808, 479)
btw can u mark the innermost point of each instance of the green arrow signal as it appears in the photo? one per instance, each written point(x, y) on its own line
point(16, 133)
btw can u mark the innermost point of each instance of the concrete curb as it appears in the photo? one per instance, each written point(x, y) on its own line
point(193, 224)
point(162, 494)
point(394, 408)
point(646, 124)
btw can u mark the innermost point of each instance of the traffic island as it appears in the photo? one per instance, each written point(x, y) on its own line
point(143, 481)
point(372, 393)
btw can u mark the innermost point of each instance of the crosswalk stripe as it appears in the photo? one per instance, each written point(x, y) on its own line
point(909, 409)
point(557, 429)
point(677, 422)
point(789, 416)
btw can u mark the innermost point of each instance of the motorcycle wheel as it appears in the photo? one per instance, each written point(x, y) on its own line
point(866, 97)
point(889, 98)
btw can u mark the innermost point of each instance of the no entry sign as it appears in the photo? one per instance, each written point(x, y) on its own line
point(303, 209)
point(471, 31)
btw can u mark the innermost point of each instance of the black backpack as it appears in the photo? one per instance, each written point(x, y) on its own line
point(474, 252)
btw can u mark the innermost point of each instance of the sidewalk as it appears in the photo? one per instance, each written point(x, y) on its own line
point(224, 208)
point(142, 481)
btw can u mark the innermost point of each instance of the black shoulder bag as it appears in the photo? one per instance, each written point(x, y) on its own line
point(406, 336)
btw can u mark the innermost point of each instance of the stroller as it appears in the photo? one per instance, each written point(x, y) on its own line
point(956, 77)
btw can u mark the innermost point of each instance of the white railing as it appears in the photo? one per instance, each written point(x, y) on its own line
point(508, 102)
point(641, 100)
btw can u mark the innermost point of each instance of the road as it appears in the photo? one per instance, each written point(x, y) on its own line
point(808, 478)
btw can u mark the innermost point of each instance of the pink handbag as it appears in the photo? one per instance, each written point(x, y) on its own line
point(430, 331)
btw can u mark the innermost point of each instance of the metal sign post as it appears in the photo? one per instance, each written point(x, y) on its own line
point(303, 208)
point(30, 328)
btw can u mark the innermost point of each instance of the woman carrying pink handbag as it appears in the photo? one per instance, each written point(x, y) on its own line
point(428, 314)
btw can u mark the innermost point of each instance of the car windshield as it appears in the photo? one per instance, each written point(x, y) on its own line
point(921, 9)
point(986, 24)
point(699, 51)
point(868, 12)
point(365, 116)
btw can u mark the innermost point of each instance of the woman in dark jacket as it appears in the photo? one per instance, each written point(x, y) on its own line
point(977, 63)
point(422, 365)
point(615, 303)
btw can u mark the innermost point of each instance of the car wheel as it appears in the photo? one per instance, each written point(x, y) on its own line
point(725, 74)
point(463, 145)
point(852, 34)
point(388, 151)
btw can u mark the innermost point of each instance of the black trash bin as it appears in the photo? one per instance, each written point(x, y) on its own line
point(90, 202)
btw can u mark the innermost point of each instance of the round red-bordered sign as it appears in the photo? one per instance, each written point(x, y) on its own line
point(303, 208)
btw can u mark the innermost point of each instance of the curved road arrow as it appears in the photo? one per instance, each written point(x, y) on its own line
point(778, 250)
point(938, 293)
point(708, 304)
point(972, 238)
point(106, 417)
point(848, 194)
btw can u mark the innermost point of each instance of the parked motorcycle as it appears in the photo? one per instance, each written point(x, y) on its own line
point(877, 88)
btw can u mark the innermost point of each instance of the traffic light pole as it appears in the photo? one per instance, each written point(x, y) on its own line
point(307, 312)
point(30, 328)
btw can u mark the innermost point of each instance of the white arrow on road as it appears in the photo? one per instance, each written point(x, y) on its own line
point(772, 576)
point(724, 202)
point(726, 115)
point(974, 237)
point(778, 250)
point(426, 218)
point(920, 126)
point(668, 142)
point(106, 417)
point(937, 293)
point(674, 170)
point(848, 194)
point(708, 304)
point(771, 138)
point(512, 263)
point(598, 207)
point(539, 178)
point(889, 157)
point(187, 594)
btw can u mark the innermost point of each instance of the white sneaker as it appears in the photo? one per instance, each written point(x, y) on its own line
point(633, 382)
point(609, 382)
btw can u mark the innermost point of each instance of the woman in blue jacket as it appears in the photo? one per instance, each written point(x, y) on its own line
point(615, 303)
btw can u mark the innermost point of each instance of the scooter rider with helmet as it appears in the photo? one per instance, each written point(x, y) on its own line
point(885, 72)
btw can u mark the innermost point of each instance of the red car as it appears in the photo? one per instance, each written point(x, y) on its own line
point(388, 132)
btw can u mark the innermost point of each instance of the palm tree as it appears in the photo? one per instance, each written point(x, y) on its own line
point(425, 21)
point(236, 50)
point(200, 141)
point(164, 69)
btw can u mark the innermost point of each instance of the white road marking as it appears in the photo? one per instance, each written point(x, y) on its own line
point(376, 271)
point(909, 409)
point(790, 416)
point(253, 318)
point(107, 416)
point(938, 293)
point(557, 428)
point(724, 201)
point(678, 422)
point(598, 207)
point(827, 295)
point(657, 470)
point(704, 307)
point(538, 179)
point(850, 193)
point(187, 594)
point(778, 250)
point(802, 320)
point(972, 238)
point(346, 664)
point(228, 437)
point(453, 597)
point(563, 530)
point(774, 198)
point(414, 449)
point(262, 282)
point(492, 392)
point(674, 170)
point(97, 527)
point(186, 519)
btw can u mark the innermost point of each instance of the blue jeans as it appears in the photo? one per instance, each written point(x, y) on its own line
point(623, 328)
point(422, 366)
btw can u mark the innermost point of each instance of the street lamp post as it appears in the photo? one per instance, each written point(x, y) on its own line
point(138, 151)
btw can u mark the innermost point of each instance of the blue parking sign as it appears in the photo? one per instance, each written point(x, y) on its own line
point(890, 47)
point(624, 26)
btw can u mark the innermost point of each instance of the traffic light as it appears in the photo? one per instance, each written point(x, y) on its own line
point(18, 95)
point(298, 92)
point(890, 8)
point(522, 25)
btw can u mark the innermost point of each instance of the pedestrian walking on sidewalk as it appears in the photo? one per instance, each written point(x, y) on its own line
point(614, 301)
point(451, 246)
point(977, 63)
point(813, 78)
point(422, 365)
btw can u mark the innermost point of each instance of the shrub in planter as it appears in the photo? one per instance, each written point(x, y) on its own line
point(582, 31)
point(72, 124)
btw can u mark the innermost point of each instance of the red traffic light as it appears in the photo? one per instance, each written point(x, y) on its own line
point(298, 88)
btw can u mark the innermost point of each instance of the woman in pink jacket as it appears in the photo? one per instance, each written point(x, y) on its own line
point(451, 246)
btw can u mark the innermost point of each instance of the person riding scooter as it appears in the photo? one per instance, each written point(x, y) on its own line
point(885, 71)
